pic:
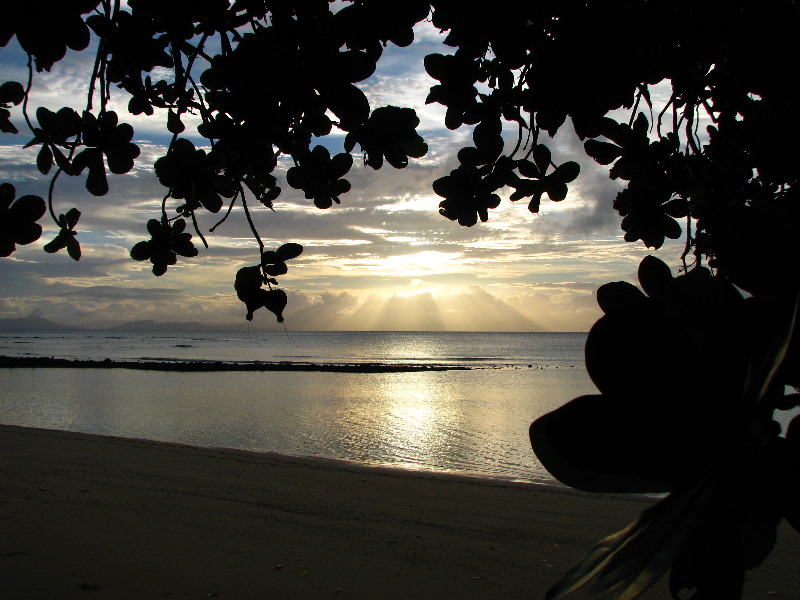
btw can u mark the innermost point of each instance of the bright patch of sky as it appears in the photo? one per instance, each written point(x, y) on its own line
point(383, 259)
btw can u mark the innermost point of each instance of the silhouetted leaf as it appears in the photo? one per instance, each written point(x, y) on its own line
point(541, 156)
point(141, 251)
point(73, 248)
point(566, 172)
point(275, 302)
point(654, 275)
point(289, 251)
point(617, 295)
point(57, 243)
point(44, 160)
point(276, 269)
point(174, 123)
point(529, 169)
point(556, 190)
point(627, 563)
point(603, 152)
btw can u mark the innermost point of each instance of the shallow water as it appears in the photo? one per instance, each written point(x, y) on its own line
point(471, 422)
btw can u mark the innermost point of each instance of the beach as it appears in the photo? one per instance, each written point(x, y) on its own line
point(85, 516)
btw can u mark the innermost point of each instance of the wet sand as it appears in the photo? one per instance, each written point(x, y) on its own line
point(84, 516)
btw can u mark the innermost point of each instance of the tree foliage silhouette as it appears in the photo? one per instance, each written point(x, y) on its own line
point(690, 371)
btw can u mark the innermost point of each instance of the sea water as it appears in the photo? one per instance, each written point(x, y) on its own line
point(473, 421)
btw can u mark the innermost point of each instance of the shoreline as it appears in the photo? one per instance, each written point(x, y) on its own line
point(132, 519)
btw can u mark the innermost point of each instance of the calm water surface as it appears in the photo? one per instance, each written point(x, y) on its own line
point(471, 422)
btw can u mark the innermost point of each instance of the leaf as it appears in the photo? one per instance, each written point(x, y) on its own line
point(625, 564)
point(63, 162)
point(567, 172)
point(436, 66)
point(58, 243)
point(354, 66)
point(141, 251)
point(27, 208)
point(44, 160)
point(603, 152)
point(586, 444)
point(275, 269)
point(541, 156)
point(654, 275)
point(528, 169)
point(348, 103)
point(275, 302)
point(672, 229)
point(288, 251)
point(534, 204)
point(488, 139)
point(12, 92)
point(618, 295)
point(556, 190)
point(73, 248)
point(340, 164)
point(248, 278)
point(72, 217)
point(416, 147)
point(174, 123)
point(640, 125)
point(96, 182)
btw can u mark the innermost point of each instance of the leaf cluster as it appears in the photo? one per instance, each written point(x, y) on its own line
point(707, 436)
point(167, 241)
point(266, 80)
point(18, 219)
point(249, 281)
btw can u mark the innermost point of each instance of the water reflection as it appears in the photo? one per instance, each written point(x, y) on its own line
point(472, 422)
point(420, 416)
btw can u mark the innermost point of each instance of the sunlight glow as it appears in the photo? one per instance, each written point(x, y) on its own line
point(407, 264)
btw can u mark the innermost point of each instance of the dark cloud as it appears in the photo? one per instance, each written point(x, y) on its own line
point(593, 186)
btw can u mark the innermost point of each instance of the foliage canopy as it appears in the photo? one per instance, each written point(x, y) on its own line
point(690, 372)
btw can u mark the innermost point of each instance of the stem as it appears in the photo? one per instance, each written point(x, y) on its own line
point(688, 246)
point(634, 109)
point(227, 213)
point(250, 222)
point(97, 70)
point(164, 204)
point(27, 93)
point(50, 190)
point(663, 112)
point(197, 231)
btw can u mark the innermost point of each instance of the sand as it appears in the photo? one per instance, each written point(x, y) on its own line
point(90, 517)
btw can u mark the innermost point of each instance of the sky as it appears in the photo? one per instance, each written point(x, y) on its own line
point(382, 260)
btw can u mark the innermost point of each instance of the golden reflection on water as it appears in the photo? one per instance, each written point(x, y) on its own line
point(417, 413)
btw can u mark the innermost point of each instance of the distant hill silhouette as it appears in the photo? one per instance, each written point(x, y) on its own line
point(38, 323)
point(20, 323)
point(150, 325)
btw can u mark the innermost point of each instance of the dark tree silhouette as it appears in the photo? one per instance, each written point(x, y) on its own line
point(690, 371)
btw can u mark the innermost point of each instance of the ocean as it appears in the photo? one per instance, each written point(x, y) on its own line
point(472, 422)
